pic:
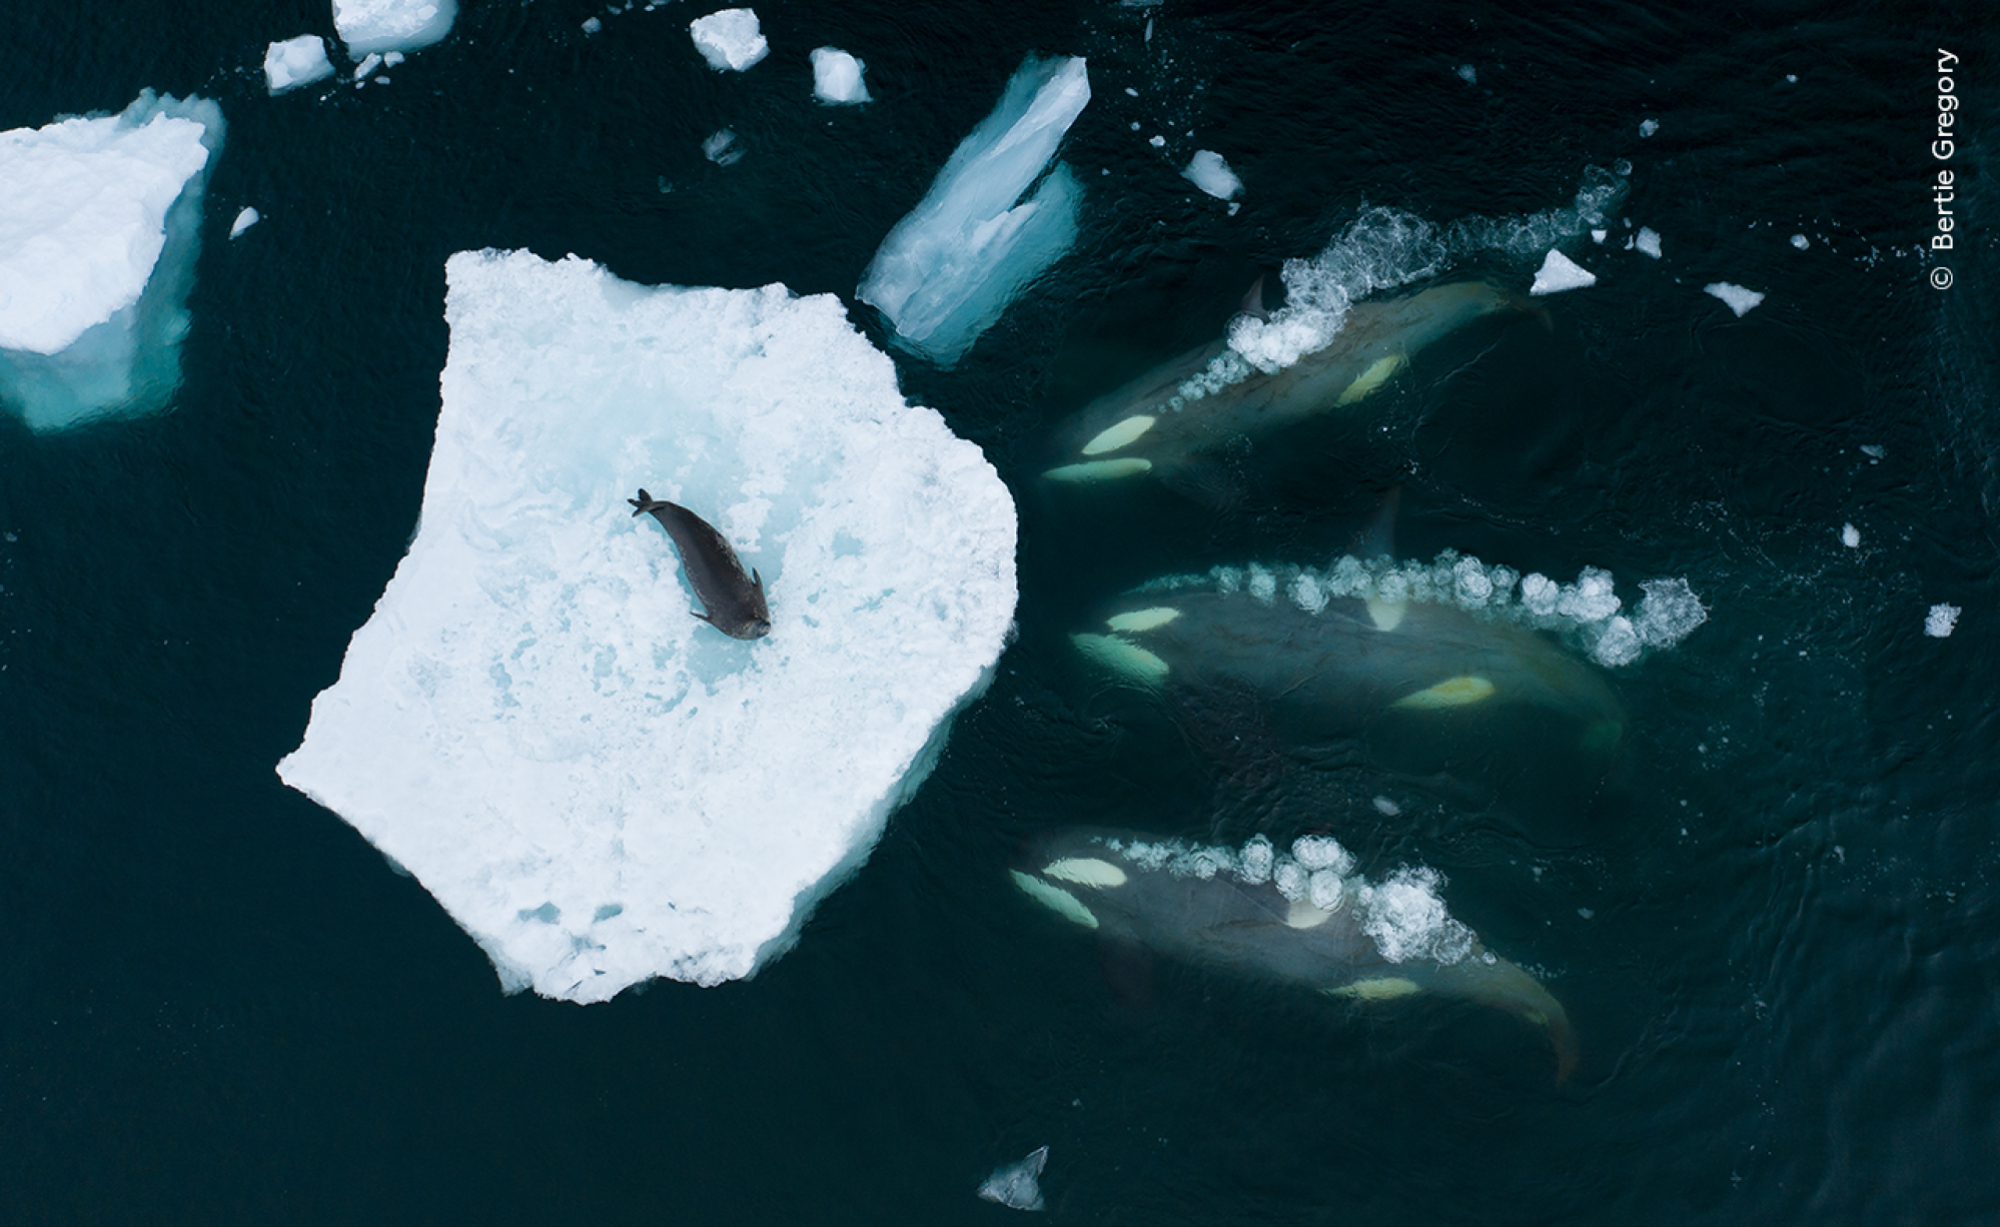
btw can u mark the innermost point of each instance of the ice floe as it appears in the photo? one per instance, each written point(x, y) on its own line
point(99, 227)
point(949, 269)
point(837, 77)
point(1647, 241)
point(373, 26)
point(1559, 273)
point(1940, 621)
point(1211, 174)
point(244, 220)
point(730, 40)
point(295, 62)
point(599, 788)
point(1016, 1185)
point(1739, 299)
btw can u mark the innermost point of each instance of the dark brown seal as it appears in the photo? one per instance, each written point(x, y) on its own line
point(734, 600)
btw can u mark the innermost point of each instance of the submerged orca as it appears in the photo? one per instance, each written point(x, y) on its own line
point(1302, 919)
point(734, 600)
point(1167, 421)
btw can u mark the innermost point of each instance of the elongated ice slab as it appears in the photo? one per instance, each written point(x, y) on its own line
point(730, 40)
point(99, 226)
point(367, 26)
point(599, 788)
point(949, 269)
point(837, 77)
point(295, 62)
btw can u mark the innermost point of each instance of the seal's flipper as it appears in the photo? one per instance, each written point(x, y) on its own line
point(643, 504)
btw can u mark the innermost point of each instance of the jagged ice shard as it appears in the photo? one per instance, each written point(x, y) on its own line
point(99, 227)
point(949, 269)
point(599, 788)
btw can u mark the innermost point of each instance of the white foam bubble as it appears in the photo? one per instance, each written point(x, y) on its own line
point(599, 788)
point(1325, 889)
point(1668, 612)
point(1408, 920)
point(1258, 858)
point(1322, 852)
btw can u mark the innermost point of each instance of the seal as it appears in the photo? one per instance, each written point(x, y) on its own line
point(734, 599)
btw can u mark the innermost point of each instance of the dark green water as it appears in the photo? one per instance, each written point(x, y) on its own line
point(223, 1007)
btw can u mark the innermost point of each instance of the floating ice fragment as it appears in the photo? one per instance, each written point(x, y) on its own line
point(368, 26)
point(99, 224)
point(1799, 241)
point(1739, 299)
point(1939, 622)
point(1648, 126)
point(1211, 174)
point(244, 220)
point(1015, 1184)
point(592, 25)
point(1157, 141)
point(730, 40)
point(369, 64)
point(1598, 236)
point(531, 718)
point(720, 148)
point(295, 62)
point(1468, 74)
point(1850, 536)
point(1648, 241)
point(1874, 451)
point(1387, 808)
point(837, 77)
point(948, 270)
point(1559, 273)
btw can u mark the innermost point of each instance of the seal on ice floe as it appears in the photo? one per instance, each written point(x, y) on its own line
point(734, 598)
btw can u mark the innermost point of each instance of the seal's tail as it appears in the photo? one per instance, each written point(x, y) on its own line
point(645, 502)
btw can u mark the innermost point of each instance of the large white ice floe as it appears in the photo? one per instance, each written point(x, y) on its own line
point(99, 227)
point(370, 26)
point(295, 62)
point(948, 270)
point(730, 40)
point(599, 788)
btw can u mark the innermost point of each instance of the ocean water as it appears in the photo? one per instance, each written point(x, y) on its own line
point(1775, 925)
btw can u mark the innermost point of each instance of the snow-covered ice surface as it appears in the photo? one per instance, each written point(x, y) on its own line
point(730, 40)
point(837, 77)
point(1585, 612)
point(1559, 273)
point(99, 226)
point(1940, 621)
point(1017, 1185)
point(1207, 171)
point(244, 220)
point(369, 26)
point(295, 62)
point(599, 788)
point(948, 270)
point(1739, 299)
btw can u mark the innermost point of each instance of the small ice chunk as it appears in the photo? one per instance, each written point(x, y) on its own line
point(1801, 242)
point(1874, 451)
point(1211, 174)
point(295, 62)
point(367, 65)
point(1559, 273)
point(730, 40)
point(1015, 1185)
point(1157, 141)
point(1468, 74)
point(1850, 536)
point(368, 26)
point(837, 77)
point(244, 220)
point(391, 58)
point(1598, 236)
point(100, 221)
point(1648, 241)
point(1648, 126)
point(720, 148)
point(1386, 807)
point(531, 722)
point(592, 25)
point(1739, 299)
point(1939, 622)
point(1667, 613)
point(948, 270)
